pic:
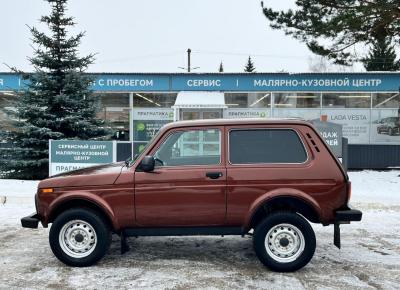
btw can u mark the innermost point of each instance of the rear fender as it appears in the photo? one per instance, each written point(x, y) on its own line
point(281, 193)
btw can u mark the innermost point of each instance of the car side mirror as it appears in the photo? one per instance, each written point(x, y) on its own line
point(147, 163)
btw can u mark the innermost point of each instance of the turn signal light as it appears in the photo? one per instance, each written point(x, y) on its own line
point(47, 190)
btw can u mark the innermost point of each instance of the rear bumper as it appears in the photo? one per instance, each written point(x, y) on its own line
point(348, 215)
point(344, 216)
point(30, 221)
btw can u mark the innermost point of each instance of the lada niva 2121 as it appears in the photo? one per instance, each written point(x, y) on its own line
point(265, 178)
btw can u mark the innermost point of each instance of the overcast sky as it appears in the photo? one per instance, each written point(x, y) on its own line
point(153, 35)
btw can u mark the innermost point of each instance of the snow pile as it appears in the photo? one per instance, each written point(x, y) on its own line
point(17, 191)
point(375, 187)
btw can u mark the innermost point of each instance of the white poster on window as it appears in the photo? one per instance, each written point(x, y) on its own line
point(385, 126)
point(165, 114)
point(241, 113)
point(355, 123)
point(305, 114)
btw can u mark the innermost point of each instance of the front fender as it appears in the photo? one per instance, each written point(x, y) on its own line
point(83, 196)
point(281, 192)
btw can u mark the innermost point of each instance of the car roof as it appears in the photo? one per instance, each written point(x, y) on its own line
point(227, 122)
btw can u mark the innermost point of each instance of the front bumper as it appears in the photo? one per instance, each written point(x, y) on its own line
point(344, 216)
point(30, 221)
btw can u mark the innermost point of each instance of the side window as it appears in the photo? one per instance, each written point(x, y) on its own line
point(265, 146)
point(194, 147)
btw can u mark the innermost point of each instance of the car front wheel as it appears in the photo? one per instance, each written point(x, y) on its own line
point(284, 242)
point(79, 237)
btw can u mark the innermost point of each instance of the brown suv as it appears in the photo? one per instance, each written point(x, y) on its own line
point(267, 178)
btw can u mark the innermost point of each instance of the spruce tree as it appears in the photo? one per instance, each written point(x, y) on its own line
point(55, 103)
point(382, 56)
point(250, 68)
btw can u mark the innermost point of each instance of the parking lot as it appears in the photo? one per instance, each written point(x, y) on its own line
point(369, 258)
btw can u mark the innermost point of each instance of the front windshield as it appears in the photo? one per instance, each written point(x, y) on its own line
point(132, 161)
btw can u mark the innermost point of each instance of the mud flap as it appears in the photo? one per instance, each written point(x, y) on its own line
point(336, 235)
point(124, 244)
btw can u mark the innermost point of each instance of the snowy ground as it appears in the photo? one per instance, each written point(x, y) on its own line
point(369, 258)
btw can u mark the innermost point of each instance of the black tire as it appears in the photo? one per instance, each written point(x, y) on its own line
point(390, 132)
point(290, 219)
point(102, 234)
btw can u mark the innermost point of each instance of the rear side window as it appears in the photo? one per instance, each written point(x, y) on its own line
point(265, 146)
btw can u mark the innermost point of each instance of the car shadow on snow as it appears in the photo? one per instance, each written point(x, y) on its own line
point(236, 250)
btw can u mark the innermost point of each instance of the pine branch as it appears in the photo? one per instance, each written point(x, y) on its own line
point(345, 23)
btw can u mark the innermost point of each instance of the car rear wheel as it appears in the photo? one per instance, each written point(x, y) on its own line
point(390, 132)
point(79, 237)
point(284, 242)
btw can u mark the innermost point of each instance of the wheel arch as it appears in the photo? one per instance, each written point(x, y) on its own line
point(82, 202)
point(308, 208)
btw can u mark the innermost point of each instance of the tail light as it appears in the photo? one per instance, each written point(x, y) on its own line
point(348, 191)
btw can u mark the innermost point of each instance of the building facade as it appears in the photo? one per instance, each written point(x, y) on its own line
point(135, 105)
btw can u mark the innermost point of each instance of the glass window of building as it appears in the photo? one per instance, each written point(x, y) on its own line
point(7, 102)
point(346, 100)
point(248, 100)
point(297, 105)
point(386, 100)
point(114, 109)
point(154, 100)
point(297, 100)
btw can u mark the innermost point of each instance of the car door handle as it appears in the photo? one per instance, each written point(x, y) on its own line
point(214, 175)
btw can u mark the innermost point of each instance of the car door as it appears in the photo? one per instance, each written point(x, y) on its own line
point(188, 184)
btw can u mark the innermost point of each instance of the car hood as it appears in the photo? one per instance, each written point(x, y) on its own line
point(90, 176)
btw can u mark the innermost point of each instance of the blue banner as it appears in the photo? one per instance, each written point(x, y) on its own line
point(365, 82)
point(131, 83)
point(10, 82)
